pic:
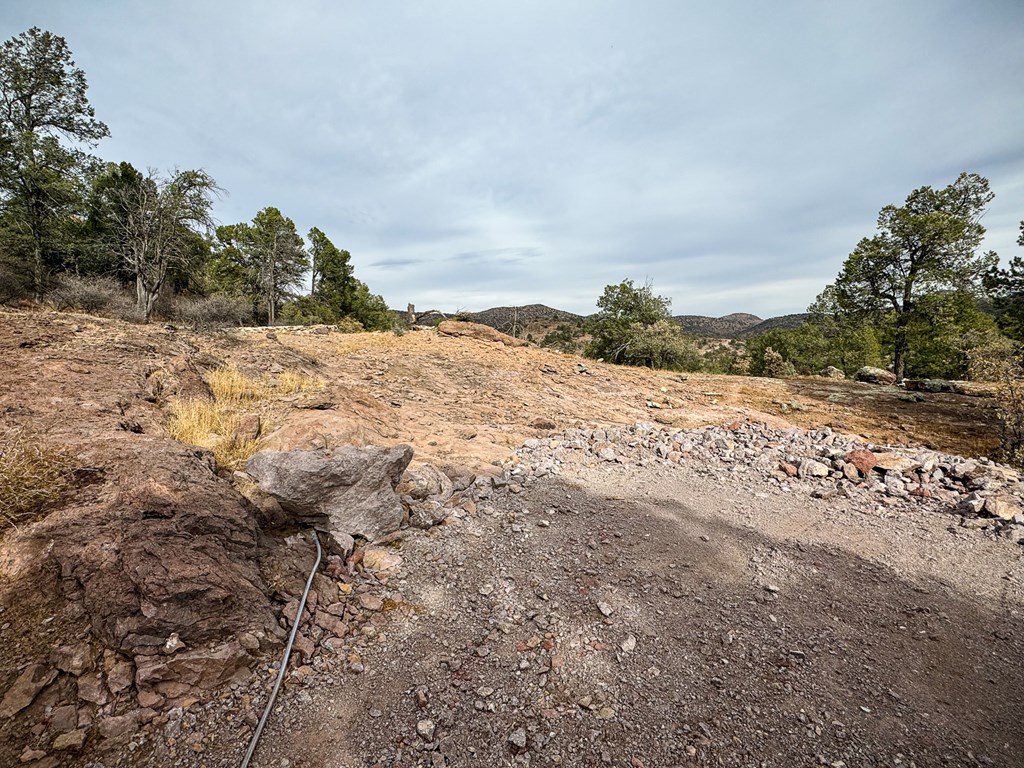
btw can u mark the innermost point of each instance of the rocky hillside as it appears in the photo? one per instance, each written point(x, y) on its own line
point(787, 322)
point(725, 327)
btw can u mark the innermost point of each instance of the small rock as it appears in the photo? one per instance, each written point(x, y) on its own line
point(425, 728)
point(629, 644)
point(28, 684)
point(605, 609)
point(173, 644)
point(30, 755)
point(73, 740)
point(370, 602)
point(486, 589)
point(517, 739)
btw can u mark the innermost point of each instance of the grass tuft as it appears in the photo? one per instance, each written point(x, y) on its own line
point(32, 475)
point(214, 425)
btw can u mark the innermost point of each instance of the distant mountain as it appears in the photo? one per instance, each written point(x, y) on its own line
point(727, 327)
point(739, 325)
point(504, 318)
point(788, 322)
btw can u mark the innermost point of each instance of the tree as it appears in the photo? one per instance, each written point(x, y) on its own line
point(634, 327)
point(155, 224)
point(332, 283)
point(927, 245)
point(42, 102)
point(269, 257)
point(1006, 287)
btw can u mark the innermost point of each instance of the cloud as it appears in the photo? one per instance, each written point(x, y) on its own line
point(476, 154)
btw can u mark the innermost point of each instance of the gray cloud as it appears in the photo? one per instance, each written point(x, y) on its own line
point(476, 154)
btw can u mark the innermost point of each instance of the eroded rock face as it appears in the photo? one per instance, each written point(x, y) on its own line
point(348, 490)
point(171, 549)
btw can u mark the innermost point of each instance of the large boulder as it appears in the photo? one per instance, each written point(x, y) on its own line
point(477, 331)
point(873, 375)
point(348, 491)
point(831, 372)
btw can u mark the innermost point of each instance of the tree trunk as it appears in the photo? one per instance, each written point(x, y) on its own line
point(899, 359)
point(39, 274)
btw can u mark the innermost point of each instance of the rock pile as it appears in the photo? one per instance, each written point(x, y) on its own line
point(820, 462)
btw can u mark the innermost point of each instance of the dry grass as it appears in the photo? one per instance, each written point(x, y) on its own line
point(32, 475)
point(213, 425)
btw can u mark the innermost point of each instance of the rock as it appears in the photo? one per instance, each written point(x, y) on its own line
point(791, 470)
point(928, 385)
point(379, 559)
point(92, 689)
point(304, 647)
point(75, 659)
point(1001, 506)
point(370, 602)
point(74, 740)
point(629, 644)
point(812, 468)
point(122, 727)
point(168, 549)
point(542, 423)
point(894, 462)
point(249, 641)
point(173, 644)
point(248, 429)
point(861, 458)
point(831, 372)
point(477, 331)
point(25, 688)
point(605, 609)
point(425, 482)
point(873, 375)
point(29, 755)
point(64, 719)
point(203, 668)
point(425, 729)
point(350, 490)
point(120, 674)
point(517, 739)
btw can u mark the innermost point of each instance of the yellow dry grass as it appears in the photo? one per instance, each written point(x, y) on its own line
point(32, 475)
point(213, 425)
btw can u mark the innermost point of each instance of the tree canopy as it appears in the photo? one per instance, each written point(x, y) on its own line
point(928, 244)
point(45, 118)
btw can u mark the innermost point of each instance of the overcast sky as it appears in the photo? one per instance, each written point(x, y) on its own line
point(474, 154)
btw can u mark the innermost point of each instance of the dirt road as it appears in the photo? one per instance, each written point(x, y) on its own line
point(637, 617)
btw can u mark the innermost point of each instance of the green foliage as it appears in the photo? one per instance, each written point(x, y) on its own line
point(634, 327)
point(266, 259)
point(926, 246)
point(44, 118)
point(565, 338)
point(936, 331)
point(1006, 287)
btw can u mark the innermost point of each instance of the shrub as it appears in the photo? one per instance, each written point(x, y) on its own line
point(995, 358)
point(14, 284)
point(32, 475)
point(217, 311)
point(775, 366)
point(349, 325)
point(95, 295)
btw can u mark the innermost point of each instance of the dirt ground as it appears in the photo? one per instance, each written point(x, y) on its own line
point(618, 616)
point(746, 627)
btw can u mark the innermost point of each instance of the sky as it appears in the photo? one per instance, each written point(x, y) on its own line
point(477, 154)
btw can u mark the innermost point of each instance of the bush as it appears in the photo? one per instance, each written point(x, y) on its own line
point(777, 367)
point(32, 475)
point(992, 357)
point(217, 311)
point(14, 284)
point(94, 295)
point(349, 325)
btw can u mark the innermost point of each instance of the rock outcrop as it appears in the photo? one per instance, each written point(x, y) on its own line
point(348, 491)
point(873, 375)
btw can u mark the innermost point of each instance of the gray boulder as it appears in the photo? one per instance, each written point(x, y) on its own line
point(348, 490)
point(873, 375)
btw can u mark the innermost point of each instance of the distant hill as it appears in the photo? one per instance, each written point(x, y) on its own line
point(788, 322)
point(727, 327)
point(504, 318)
point(534, 317)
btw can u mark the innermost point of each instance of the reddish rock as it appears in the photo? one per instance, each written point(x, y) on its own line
point(863, 459)
point(25, 688)
point(789, 469)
